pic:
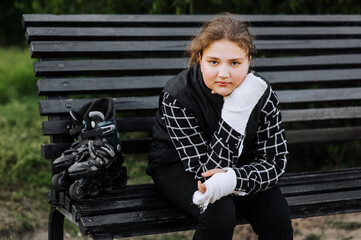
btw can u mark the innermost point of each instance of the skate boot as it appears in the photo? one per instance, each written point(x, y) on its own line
point(61, 180)
point(100, 168)
point(78, 150)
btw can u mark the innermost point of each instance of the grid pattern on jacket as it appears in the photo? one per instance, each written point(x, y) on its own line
point(199, 155)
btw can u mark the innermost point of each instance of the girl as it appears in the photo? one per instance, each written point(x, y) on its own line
point(218, 145)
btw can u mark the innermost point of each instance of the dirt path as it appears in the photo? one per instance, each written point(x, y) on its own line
point(335, 227)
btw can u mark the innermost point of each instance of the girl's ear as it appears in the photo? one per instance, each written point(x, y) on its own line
point(199, 57)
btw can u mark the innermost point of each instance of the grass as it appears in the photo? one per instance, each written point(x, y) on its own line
point(16, 74)
point(24, 175)
point(348, 226)
point(313, 237)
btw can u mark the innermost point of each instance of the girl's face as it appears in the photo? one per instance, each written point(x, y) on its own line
point(224, 66)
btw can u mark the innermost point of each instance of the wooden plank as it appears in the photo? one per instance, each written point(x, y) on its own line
point(101, 84)
point(109, 49)
point(180, 33)
point(158, 202)
point(117, 67)
point(325, 204)
point(323, 135)
point(120, 104)
point(90, 85)
point(119, 206)
point(307, 62)
point(319, 95)
point(94, 208)
point(123, 125)
point(54, 150)
point(313, 76)
point(321, 114)
point(184, 20)
point(324, 187)
point(301, 206)
point(137, 191)
point(49, 107)
point(146, 123)
point(137, 222)
point(320, 176)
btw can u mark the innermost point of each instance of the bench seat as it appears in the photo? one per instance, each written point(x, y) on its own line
point(140, 209)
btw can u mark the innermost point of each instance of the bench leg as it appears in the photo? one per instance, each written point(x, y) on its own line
point(56, 224)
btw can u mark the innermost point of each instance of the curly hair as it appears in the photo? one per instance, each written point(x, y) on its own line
point(225, 26)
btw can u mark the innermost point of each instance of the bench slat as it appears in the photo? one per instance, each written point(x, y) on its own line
point(49, 107)
point(321, 114)
point(54, 150)
point(133, 222)
point(146, 123)
point(118, 84)
point(112, 206)
point(300, 206)
point(108, 49)
point(121, 66)
point(299, 178)
point(181, 33)
point(323, 135)
point(319, 95)
point(165, 20)
point(157, 202)
point(337, 180)
point(123, 125)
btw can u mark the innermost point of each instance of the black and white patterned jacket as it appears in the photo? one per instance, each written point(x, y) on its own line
point(201, 147)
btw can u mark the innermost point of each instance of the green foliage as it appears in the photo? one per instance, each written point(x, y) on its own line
point(348, 226)
point(16, 74)
point(323, 156)
point(312, 237)
point(136, 166)
point(20, 139)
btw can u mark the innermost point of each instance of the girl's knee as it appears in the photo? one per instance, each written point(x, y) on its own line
point(219, 215)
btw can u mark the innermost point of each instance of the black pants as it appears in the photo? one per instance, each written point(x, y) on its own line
point(266, 211)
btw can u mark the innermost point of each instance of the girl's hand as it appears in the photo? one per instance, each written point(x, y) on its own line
point(201, 187)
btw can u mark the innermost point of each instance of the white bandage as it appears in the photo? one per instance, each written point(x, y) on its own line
point(239, 104)
point(219, 185)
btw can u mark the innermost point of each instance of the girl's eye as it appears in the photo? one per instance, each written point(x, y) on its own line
point(213, 62)
point(234, 63)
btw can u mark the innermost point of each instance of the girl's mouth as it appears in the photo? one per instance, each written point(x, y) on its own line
point(223, 84)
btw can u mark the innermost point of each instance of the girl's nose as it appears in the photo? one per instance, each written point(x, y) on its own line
point(223, 71)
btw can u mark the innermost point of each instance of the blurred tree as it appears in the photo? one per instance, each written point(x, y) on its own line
point(11, 32)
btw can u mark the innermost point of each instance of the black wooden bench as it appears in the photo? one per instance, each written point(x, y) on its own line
point(313, 63)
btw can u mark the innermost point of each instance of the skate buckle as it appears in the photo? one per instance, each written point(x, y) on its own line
point(106, 129)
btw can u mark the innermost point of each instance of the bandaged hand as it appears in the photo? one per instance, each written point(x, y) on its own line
point(219, 185)
point(238, 106)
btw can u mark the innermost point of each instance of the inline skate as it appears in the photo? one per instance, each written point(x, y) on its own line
point(94, 162)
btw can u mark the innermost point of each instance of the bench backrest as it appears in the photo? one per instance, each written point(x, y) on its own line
point(313, 63)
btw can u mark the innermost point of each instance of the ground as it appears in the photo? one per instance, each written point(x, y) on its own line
point(336, 227)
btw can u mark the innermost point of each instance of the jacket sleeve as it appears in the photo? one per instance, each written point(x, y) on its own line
point(197, 154)
point(271, 152)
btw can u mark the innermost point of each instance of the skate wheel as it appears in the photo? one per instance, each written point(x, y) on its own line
point(60, 182)
point(74, 191)
point(54, 181)
point(94, 191)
